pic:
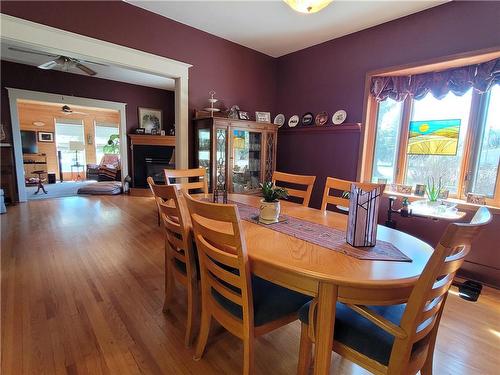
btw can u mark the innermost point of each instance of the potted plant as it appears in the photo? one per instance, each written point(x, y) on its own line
point(270, 204)
point(433, 191)
point(113, 145)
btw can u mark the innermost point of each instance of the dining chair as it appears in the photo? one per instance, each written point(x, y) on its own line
point(342, 186)
point(398, 339)
point(296, 179)
point(180, 254)
point(244, 304)
point(158, 192)
point(186, 175)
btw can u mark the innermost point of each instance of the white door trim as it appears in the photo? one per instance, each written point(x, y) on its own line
point(16, 94)
point(32, 35)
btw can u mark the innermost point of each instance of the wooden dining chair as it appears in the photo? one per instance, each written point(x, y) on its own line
point(296, 179)
point(342, 186)
point(244, 304)
point(158, 192)
point(180, 254)
point(398, 339)
point(187, 175)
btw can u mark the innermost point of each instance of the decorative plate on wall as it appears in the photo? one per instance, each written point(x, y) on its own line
point(339, 117)
point(293, 121)
point(279, 120)
point(307, 119)
point(321, 118)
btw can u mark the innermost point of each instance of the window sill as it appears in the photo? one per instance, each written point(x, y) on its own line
point(461, 204)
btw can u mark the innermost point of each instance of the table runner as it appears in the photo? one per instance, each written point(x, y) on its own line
point(324, 236)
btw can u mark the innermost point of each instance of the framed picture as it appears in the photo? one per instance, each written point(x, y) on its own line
point(242, 115)
point(46, 137)
point(443, 194)
point(404, 189)
point(154, 132)
point(263, 116)
point(150, 119)
point(140, 131)
point(420, 190)
point(476, 198)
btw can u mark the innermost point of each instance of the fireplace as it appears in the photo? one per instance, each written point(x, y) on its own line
point(155, 167)
point(150, 156)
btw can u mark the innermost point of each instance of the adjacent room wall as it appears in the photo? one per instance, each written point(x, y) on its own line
point(48, 114)
point(331, 76)
point(31, 78)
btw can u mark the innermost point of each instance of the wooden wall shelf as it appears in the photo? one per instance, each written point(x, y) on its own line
point(152, 140)
point(355, 127)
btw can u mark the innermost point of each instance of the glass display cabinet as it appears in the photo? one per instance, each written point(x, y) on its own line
point(238, 154)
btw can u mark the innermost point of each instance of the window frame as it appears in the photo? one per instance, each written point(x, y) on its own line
point(477, 116)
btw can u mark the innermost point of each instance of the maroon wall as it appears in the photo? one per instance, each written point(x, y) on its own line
point(331, 76)
point(239, 75)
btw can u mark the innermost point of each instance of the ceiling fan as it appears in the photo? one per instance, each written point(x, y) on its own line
point(65, 62)
point(66, 110)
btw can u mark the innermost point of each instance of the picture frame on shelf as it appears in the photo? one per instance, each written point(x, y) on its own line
point(443, 194)
point(404, 189)
point(263, 117)
point(149, 119)
point(243, 115)
point(47, 137)
point(476, 199)
point(420, 190)
point(140, 131)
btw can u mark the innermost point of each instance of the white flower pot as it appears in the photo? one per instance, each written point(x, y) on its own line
point(269, 211)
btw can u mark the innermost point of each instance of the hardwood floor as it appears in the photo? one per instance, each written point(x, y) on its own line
point(82, 293)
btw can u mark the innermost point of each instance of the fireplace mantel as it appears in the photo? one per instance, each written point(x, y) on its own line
point(152, 140)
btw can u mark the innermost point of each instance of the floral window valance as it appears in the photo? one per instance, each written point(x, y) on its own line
point(457, 80)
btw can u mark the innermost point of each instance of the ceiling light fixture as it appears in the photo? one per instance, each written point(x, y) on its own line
point(307, 6)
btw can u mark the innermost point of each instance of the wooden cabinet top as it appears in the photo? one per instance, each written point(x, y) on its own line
point(237, 123)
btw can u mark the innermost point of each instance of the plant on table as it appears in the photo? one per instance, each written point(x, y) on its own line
point(270, 204)
point(434, 190)
point(273, 193)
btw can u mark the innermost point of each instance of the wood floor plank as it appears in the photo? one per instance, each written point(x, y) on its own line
point(82, 293)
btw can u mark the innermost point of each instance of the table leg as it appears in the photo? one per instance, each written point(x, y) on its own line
point(327, 298)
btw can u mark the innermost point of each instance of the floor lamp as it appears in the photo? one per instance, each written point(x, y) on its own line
point(76, 146)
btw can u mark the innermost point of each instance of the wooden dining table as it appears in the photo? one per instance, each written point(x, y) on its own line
point(329, 275)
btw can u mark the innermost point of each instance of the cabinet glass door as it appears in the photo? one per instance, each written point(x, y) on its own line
point(204, 151)
point(246, 166)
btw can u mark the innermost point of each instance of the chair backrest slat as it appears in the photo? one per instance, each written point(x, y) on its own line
point(223, 257)
point(177, 225)
point(296, 179)
point(224, 290)
point(186, 175)
point(425, 305)
point(341, 186)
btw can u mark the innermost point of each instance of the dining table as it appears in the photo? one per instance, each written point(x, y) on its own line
point(328, 275)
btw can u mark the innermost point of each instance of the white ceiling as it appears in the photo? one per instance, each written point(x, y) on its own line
point(273, 28)
point(106, 72)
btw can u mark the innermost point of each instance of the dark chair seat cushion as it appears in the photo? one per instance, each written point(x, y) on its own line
point(270, 301)
point(359, 333)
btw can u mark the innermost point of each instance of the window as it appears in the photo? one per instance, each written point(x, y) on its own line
point(102, 134)
point(484, 179)
point(68, 131)
point(455, 138)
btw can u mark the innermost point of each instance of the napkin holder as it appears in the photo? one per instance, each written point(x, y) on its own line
point(363, 217)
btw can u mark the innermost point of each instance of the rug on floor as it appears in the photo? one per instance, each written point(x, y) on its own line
point(102, 188)
point(57, 190)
